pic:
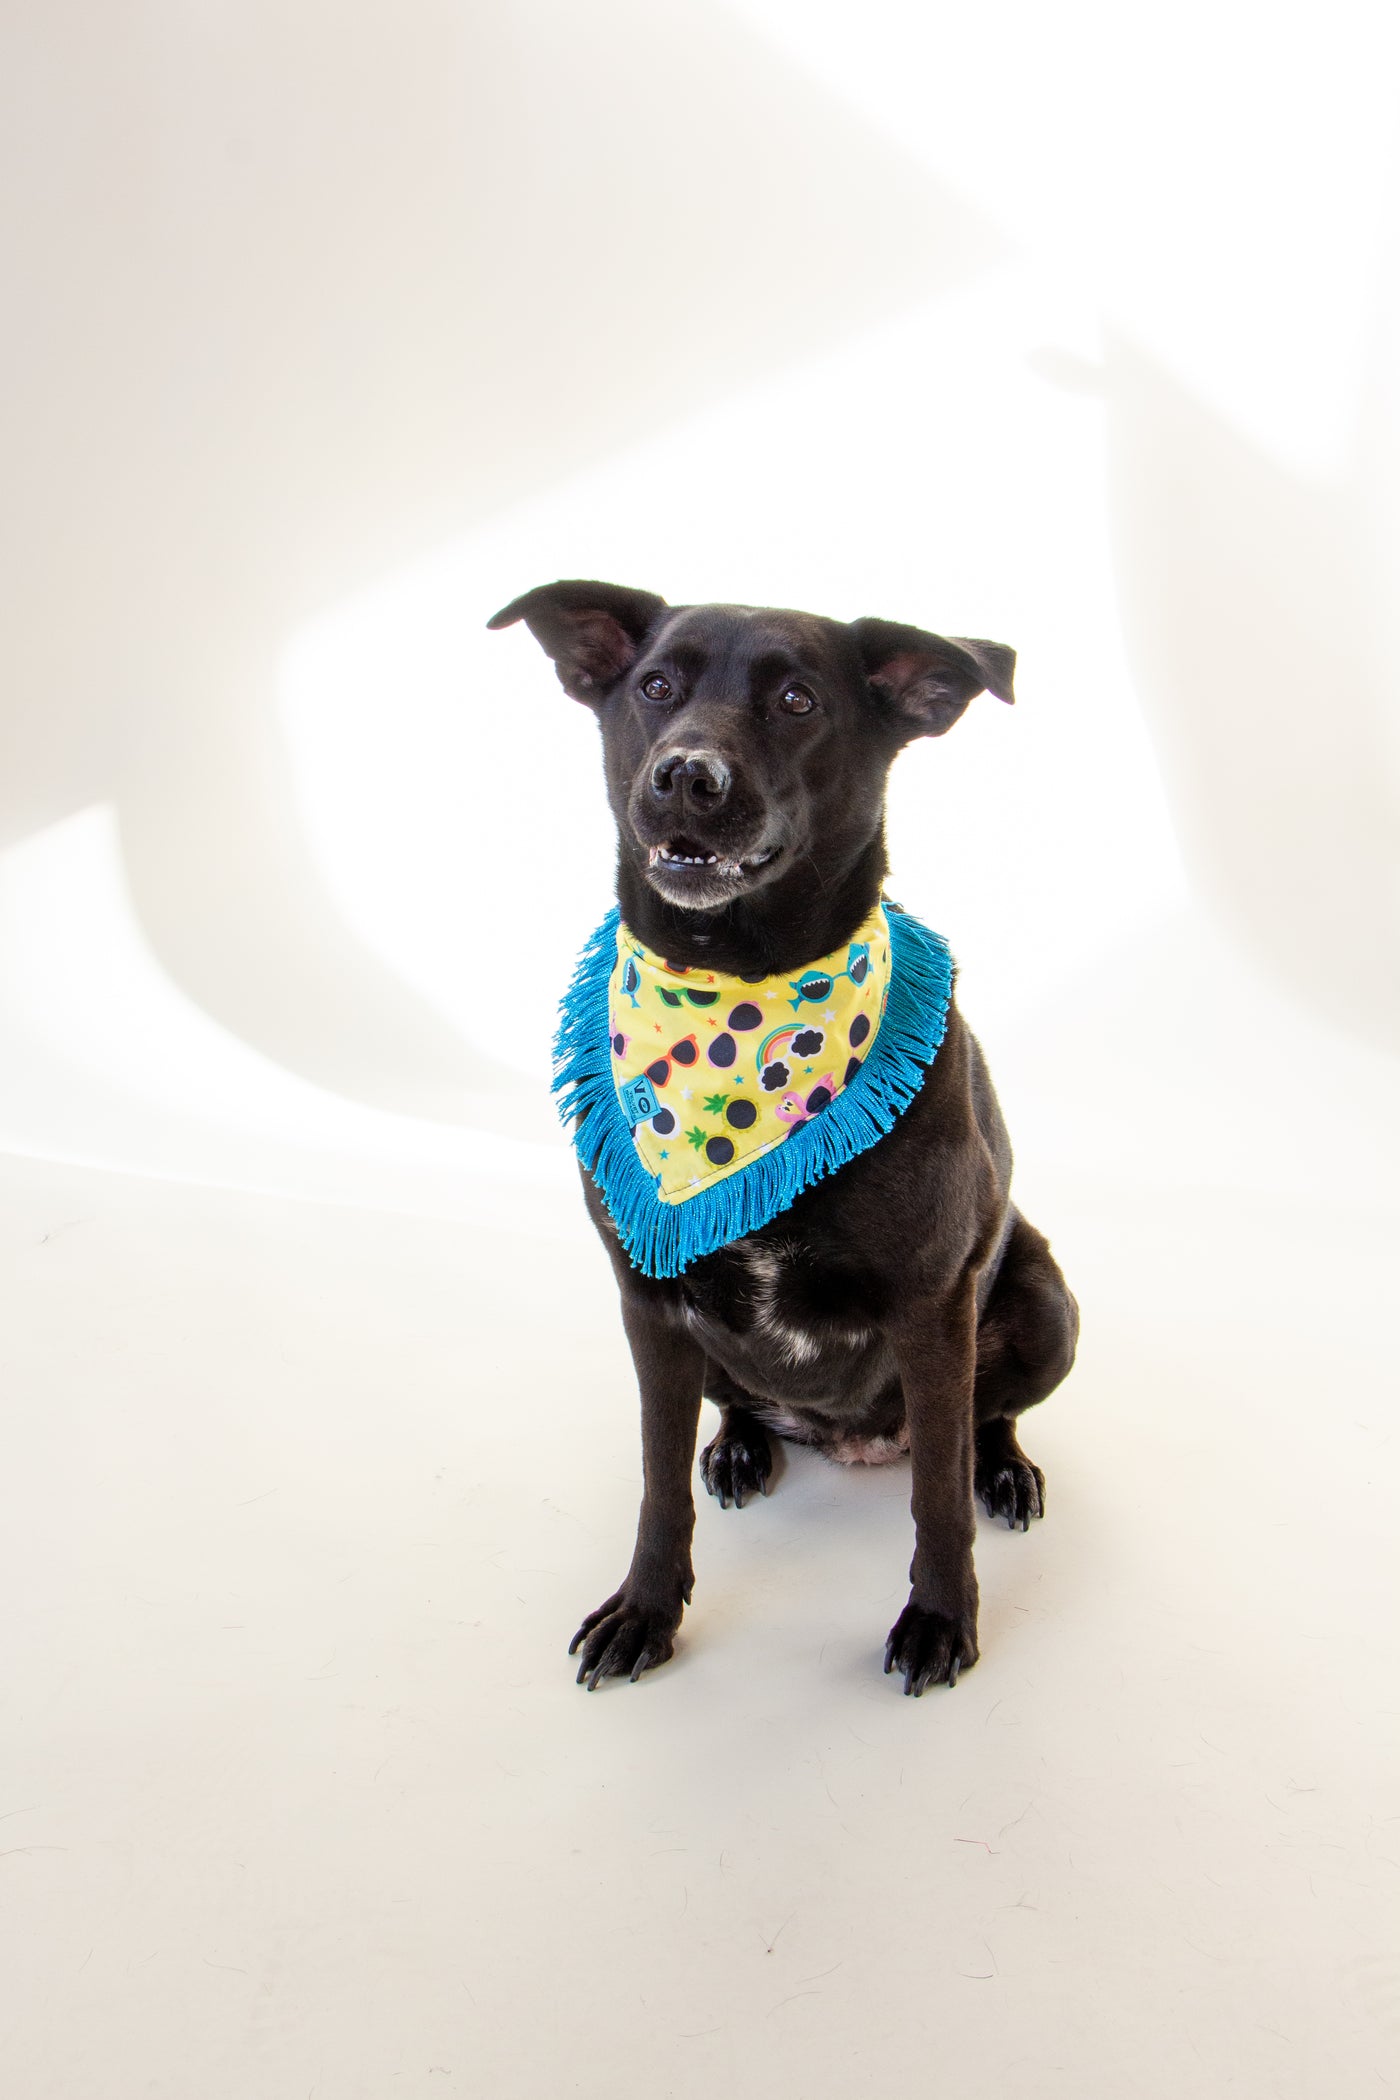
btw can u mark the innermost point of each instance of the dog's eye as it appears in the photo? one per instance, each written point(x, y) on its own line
point(796, 700)
point(656, 687)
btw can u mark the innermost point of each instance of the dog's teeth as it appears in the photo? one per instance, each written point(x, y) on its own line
point(683, 860)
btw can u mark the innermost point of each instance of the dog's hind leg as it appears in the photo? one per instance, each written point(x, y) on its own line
point(740, 1459)
point(1026, 1340)
point(1008, 1483)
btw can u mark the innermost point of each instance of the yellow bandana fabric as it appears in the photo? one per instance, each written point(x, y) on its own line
point(713, 1071)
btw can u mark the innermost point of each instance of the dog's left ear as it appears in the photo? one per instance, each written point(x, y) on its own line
point(928, 679)
point(593, 631)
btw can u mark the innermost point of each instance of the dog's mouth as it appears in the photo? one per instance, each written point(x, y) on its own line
point(689, 873)
point(681, 853)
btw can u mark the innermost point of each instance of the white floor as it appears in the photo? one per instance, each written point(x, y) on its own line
point(300, 1801)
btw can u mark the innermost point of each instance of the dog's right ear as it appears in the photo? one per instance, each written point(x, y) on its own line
point(593, 631)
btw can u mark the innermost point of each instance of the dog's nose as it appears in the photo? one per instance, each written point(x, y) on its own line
point(697, 779)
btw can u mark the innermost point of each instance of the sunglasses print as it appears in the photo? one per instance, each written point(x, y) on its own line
point(810, 985)
point(673, 998)
point(816, 985)
point(685, 1052)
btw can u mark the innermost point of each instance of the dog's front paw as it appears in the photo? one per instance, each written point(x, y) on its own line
point(621, 1639)
point(735, 1465)
point(927, 1647)
point(1012, 1488)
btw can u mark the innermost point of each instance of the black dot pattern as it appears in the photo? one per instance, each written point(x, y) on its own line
point(860, 1029)
point(663, 1122)
point(746, 1016)
point(774, 1076)
point(719, 1151)
point(742, 1114)
point(619, 1043)
point(852, 1068)
point(722, 1051)
point(818, 1099)
point(684, 1053)
point(659, 1072)
point(808, 1042)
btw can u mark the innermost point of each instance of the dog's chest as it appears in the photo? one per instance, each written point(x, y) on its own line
point(781, 1320)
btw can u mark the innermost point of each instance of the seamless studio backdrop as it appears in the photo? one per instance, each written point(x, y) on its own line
point(331, 329)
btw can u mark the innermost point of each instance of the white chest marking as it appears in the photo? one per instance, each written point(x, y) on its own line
point(765, 1266)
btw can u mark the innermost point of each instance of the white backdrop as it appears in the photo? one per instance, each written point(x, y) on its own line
point(334, 332)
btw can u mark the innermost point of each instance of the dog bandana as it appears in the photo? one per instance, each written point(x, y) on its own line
point(704, 1103)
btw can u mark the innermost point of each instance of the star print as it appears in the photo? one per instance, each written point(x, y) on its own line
point(686, 1092)
point(770, 995)
point(828, 1015)
point(664, 1153)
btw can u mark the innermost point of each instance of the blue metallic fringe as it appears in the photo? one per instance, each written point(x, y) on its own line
point(662, 1239)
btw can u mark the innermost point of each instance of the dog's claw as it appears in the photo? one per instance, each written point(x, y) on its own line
point(929, 1647)
point(622, 1640)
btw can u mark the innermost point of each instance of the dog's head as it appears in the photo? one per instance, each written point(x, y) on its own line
point(747, 749)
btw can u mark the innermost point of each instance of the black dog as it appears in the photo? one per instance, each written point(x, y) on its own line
point(903, 1301)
